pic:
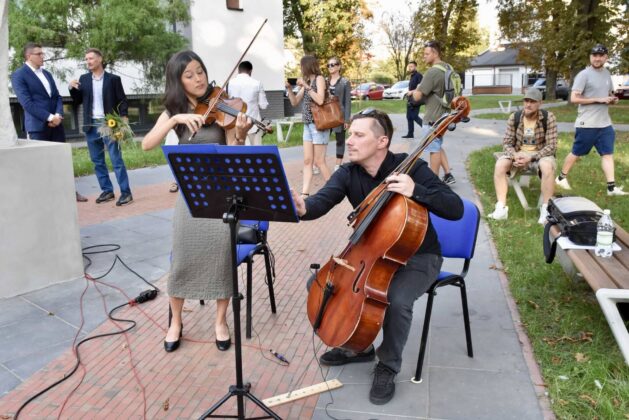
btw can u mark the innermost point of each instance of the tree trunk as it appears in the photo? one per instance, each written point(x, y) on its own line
point(551, 83)
point(8, 136)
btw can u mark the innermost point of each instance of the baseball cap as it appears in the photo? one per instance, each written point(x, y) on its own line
point(599, 49)
point(533, 94)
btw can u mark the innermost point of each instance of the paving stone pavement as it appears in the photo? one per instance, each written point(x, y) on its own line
point(126, 376)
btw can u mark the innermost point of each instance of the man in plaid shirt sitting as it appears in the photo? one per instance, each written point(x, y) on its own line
point(529, 143)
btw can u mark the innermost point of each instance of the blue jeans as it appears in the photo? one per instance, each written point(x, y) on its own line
point(96, 145)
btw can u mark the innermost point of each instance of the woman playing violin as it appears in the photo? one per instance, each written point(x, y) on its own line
point(201, 264)
point(371, 163)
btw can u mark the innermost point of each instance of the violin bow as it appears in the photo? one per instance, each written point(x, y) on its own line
point(214, 100)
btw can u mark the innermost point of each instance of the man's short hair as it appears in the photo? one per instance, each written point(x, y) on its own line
point(381, 121)
point(245, 66)
point(413, 62)
point(98, 53)
point(30, 46)
point(434, 45)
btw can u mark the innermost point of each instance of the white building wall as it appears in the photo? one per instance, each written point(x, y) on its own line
point(220, 36)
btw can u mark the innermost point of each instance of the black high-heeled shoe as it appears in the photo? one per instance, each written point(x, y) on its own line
point(223, 345)
point(171, 346)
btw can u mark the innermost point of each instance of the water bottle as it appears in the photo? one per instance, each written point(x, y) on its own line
point(604, 235)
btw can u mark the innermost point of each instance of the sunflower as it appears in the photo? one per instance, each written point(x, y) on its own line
point(111, 123)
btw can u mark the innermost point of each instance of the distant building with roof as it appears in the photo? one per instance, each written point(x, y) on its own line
point(497, 71)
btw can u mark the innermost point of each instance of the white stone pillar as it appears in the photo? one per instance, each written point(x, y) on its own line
point(8, 137)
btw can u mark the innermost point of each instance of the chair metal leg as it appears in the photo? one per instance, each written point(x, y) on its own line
point(269, 278)
point(422, 347)
point(466, 318)
point(202, 302)
point(170, 315)
point(249, 281)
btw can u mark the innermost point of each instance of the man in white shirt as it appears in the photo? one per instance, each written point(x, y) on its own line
point(250, 90)
point(38, 94)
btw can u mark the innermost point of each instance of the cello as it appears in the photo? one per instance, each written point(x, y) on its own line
point(348, 298)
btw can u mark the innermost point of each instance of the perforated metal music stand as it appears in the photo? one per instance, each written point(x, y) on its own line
point(226, 182)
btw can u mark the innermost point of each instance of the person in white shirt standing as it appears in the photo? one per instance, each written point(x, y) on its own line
point(250, 90)
point(37, 92)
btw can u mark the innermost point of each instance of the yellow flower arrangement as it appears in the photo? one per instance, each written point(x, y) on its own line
point(116, 128)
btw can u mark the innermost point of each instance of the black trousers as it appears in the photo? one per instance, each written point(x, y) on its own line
point(412, 115)
point(340, 144)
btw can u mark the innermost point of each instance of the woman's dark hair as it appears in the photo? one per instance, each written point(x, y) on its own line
point(309, 67)
point(175, 99)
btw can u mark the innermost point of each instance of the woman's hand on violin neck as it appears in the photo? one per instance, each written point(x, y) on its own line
point(401, 184)
point(193, 121)
point(243, 124)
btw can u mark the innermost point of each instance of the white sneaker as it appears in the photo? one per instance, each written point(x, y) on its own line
point(500, 213)
point(617, 191)
point(543, 213)
point(563, 183)
point(316, 170)
point(336, 167)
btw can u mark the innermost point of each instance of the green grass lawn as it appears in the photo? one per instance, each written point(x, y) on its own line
point(571, 338)
point(568, 113)
point(398, 106)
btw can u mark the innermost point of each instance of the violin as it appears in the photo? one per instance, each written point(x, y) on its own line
point(348, 299)
point(218, 104)
point(225, 110)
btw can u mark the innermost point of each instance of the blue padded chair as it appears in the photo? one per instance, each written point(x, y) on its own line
point(458, 240)
point(246, 252)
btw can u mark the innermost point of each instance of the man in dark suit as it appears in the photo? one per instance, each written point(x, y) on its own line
point(38, 94)
point(412, 107)
point(102, 93)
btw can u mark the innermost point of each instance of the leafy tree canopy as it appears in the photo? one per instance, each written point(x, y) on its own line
point(329, 28)
point(123, 30)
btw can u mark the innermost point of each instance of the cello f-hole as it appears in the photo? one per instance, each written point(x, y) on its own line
point(355, 287)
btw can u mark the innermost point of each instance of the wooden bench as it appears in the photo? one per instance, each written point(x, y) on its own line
point(609, 279)
point(519, 179)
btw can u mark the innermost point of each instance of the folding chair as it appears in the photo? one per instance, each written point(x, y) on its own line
point(458, 240)
point(246, 252)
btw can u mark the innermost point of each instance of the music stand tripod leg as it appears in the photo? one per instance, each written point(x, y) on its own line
point(240, 390)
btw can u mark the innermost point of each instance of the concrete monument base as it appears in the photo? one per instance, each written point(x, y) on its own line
point(40, 242)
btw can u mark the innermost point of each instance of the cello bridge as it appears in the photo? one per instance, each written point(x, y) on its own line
point(343, 263)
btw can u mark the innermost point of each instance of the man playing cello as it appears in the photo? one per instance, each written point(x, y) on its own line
point(370, 164)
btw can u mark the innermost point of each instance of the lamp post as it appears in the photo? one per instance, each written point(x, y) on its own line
point(8, 136)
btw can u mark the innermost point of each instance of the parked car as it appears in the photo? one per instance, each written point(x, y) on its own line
point(562, 90)
point(397, 91)
point(623, 91)
point(368, 91)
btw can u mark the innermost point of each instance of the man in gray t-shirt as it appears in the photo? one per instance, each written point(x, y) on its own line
point(592, 90)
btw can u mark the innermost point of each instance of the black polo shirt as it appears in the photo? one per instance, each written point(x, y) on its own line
point(352, 181)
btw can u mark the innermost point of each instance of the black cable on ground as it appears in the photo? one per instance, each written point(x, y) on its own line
point(143, 297)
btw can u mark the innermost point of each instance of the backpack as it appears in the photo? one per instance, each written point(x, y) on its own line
point(518, 117)
point(452, 87)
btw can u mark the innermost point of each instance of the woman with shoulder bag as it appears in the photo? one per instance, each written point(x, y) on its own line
point(312, 89)
point(341, 88)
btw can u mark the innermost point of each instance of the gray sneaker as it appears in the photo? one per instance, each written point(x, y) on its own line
point(449, 179)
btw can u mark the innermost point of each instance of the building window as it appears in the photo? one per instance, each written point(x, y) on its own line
point(234, 5)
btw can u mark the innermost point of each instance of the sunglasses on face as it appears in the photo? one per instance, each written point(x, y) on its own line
point(330, 65)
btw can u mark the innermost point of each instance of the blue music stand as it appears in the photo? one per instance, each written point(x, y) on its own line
point(228, 183)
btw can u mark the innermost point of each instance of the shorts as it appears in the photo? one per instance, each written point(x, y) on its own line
point(533, 166)
point(315, 136)
point(436, 145)
point(600, 138)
